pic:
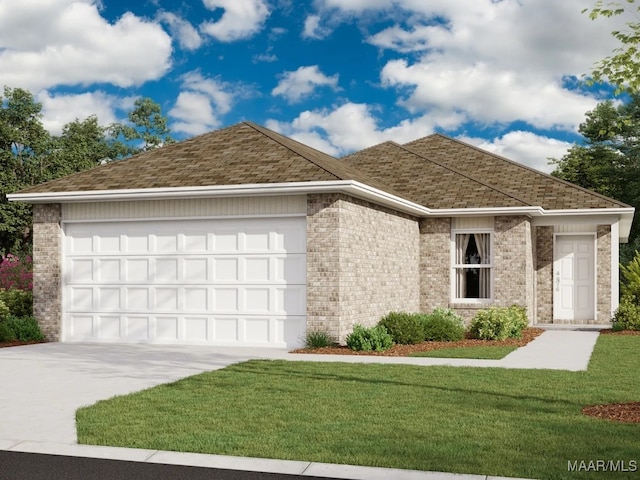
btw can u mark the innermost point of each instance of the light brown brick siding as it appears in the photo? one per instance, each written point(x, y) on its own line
point(513, 263)
point(603, 276)
point(435, 263)
point(362, 262)
point(544, 274)
point(47, 281)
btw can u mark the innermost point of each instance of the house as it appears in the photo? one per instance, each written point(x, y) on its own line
point(245, 237)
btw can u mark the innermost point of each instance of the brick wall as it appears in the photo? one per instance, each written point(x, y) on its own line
point(513, 263)
point(544, 274)
point(362, 262)
point(435, 263)
point(47, 281)
point(603, 275)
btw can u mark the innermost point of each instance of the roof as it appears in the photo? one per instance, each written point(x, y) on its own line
point(244, 153)
point(435, 172)
point(509, 177)
point(426, 182)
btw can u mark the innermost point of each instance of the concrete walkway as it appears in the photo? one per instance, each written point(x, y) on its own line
point(43, 386)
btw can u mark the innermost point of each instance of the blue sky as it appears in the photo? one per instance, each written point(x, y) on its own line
point(339, 75)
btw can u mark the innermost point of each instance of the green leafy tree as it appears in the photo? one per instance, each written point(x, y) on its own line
point(24, 145)
point(147, 129)
point(608, 159)
point(622, 67)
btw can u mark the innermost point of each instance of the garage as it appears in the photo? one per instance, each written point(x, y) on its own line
point(229, 281)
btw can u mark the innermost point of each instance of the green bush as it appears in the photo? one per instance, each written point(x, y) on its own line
point(4, 311)
point(627, 315)
point(630, 285)
point(405, 328)
point(499, 323)
point(25, 329)
point(6, 332)
point(442, 325)
point(367, 339)
point(318, 339)
point(19, 302)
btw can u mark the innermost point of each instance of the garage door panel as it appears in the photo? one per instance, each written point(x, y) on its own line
point(82, 270)
point(224, 281)
point(291, 300)
point(108, 270)
point(196, 329)
point(137, 270)
point(226, 299)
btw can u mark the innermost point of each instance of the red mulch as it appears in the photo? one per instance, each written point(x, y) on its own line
point(623, 332)
point(16, 343)
point(618, 412)
point(528, 334)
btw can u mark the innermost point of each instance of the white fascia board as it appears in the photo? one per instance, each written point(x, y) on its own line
point(599, 216)
point(348, 187)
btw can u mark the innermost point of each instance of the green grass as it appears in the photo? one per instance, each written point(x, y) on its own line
point(484, 352)
point(513, 423)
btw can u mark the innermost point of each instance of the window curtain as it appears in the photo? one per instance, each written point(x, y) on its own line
point(483, 241)
point(462, 242)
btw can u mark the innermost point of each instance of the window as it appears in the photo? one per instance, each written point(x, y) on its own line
point(472, 266)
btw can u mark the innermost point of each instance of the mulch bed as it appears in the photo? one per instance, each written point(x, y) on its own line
point(528, 334)
point(623, 332)
point(618, 412)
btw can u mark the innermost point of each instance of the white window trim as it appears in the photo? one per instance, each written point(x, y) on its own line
point(454, 266)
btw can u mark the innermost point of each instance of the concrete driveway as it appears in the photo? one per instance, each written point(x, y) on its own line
point(43, 385)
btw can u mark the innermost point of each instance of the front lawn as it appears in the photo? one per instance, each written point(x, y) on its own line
point(519, 423)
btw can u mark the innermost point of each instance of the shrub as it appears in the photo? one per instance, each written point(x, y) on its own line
point(442, 325)
point(4, 311)
point(627, 315)
point(630, 287)
point(499, 323)
point(19, 302)
point(318, 339)
point(404, 328)
point(16, 272)
point(367, 339)
point(6, 333)
point(25, 329)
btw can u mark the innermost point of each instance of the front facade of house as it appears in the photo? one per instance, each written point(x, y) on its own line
point(269, 247)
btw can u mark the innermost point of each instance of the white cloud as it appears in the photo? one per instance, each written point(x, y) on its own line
point(493, 61)
point(241, 19)
point(353, 126)
point(188, 37)
point(524, 147)
point(302, 82)
point(60, 109)
point(200, 104)
point(313, 29)
point(68, 42)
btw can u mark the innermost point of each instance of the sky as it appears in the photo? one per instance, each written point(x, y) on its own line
point(339, 75)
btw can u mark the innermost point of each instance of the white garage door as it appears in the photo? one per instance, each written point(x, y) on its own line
point(218, 282)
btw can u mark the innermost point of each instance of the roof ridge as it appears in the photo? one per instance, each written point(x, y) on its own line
point(463, 174)
point(274, 136)
point(526, 167)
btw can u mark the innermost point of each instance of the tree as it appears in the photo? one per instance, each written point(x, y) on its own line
point(24, 144)
point(148, 126)
point(608, 160)
point(622, 68)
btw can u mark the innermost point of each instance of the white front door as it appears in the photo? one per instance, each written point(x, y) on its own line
point(574, 278)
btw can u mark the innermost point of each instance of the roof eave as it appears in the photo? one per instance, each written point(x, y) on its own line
point(348, 187)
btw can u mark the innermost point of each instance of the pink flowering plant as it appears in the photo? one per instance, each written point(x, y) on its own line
point(16, 272)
